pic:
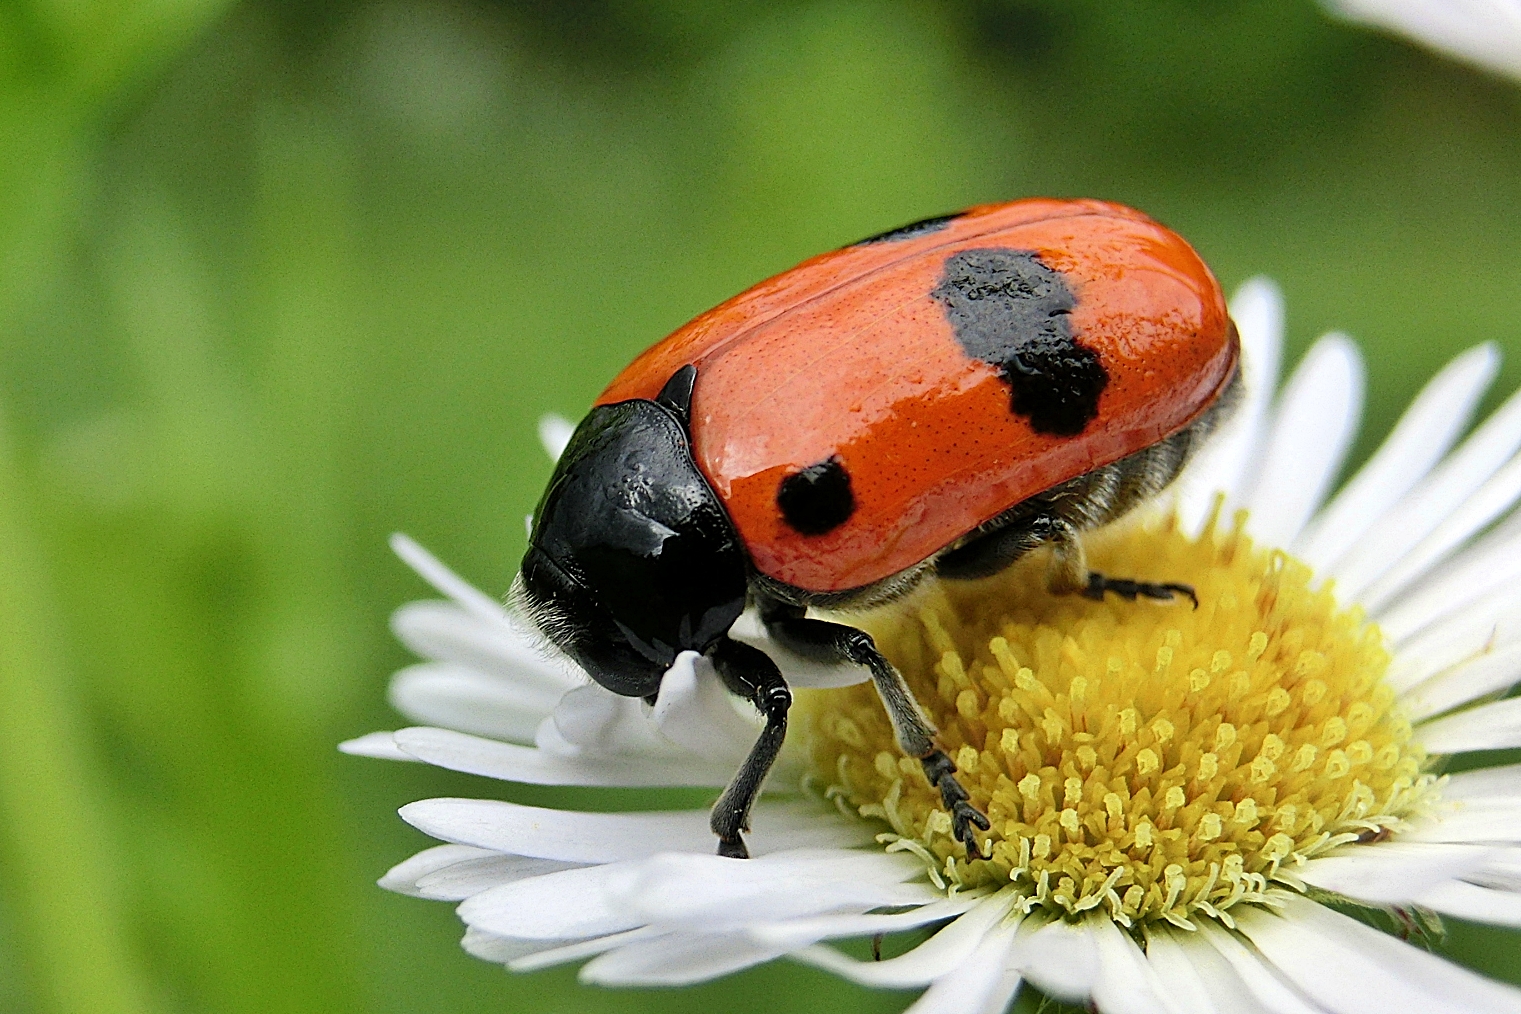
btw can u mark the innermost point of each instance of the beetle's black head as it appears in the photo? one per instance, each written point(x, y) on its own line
point(632, 558)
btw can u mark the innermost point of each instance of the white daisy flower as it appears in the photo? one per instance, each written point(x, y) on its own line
point(1482, 32)
point(1183, 802)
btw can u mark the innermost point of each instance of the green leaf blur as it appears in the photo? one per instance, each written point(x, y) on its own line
point(277, 279)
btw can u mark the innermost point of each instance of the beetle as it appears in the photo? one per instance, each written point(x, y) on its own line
point(940, 399)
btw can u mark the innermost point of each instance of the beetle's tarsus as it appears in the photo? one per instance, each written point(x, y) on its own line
point(941, 772)
point(733, 848)
point(1130, 590)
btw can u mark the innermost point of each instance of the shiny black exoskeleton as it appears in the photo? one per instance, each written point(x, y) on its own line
point(633, 560)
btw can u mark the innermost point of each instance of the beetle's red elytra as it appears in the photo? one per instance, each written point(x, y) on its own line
point(852, 357)
point(944, 398)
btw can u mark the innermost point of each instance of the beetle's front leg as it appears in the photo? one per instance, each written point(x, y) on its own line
point(835, 642)
point(749, 673)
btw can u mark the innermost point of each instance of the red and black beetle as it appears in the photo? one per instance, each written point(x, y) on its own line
point(942, 398)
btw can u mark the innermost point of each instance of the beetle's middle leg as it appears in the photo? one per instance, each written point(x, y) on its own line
point(1068, 573)
point(823, 641)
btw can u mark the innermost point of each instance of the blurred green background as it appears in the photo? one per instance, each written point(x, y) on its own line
point(278, 278)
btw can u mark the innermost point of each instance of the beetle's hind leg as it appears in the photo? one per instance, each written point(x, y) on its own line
point(749, 673)
point(835, 642)
point(1129, 590)
point(1069, 574)
point(1056, 517)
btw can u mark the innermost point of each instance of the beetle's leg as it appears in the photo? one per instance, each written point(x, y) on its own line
point(1098, 584)
point(749, 673)
point(835, 642)
point(1069, 574)
point(991, 552)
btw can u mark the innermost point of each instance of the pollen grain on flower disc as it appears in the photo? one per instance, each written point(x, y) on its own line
point(1149, 760)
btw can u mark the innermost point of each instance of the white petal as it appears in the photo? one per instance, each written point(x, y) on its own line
point(1487, 674)
point(984, 982)
point(473, 755)
point(454, 697)
point(568, 835)
point(402, 878)
point(592, 722)
point(580, 950)
point(555, 432)
point(380, 745)
point(1392, 872)
point(466, 879)
point(1059, 958)
point(446, 632)
point(1432, 505)
point(1502, 872)
point(1482, 32)
point(501, 950)
point(1487, 570)
point(1264, 985)
point(1126, 984)
point(568, 905)
point(1312, 428)
point(1002, 995)
point(1469, 901)
point(1487, 503)
point(433, 571)
point(1495, 783)
point(581, 837)
point(1417, 442)
point(1468, 821)
point(1494, 726)
point(683, 891)
point(677, 959)
point(795, 933)
point(1478, 630)
point(941, 954)
point(1348, 966)
point(1221, 466)
point(1181, 976)
point(694, 711)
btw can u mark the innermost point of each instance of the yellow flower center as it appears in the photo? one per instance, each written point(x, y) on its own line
point(1146, 759)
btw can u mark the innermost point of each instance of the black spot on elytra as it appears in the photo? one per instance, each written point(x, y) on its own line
point(912, 229)
point(817, 499)
point(1010, 310)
